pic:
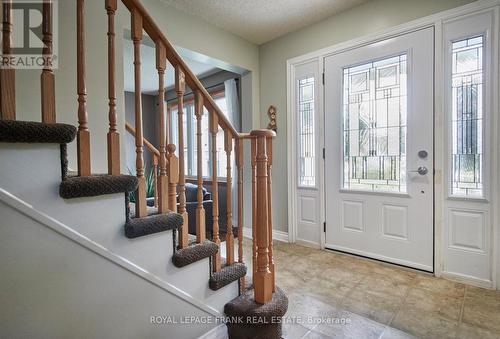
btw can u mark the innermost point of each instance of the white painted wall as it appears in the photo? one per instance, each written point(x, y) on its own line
point(359, 21)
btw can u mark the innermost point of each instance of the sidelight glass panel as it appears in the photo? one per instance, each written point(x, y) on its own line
point(467, 117)
point(306, 132)
point(374, 102)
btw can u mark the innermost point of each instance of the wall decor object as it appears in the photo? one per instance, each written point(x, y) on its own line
point(271, 112)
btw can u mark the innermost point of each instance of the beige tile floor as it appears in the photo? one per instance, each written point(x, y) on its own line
point(376, 300)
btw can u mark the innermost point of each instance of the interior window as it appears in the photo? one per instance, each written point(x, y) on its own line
point(467, 117)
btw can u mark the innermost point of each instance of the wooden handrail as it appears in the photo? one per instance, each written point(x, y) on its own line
point(148, 144)
point(175, 59)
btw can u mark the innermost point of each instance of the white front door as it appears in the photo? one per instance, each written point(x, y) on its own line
point(379, 150)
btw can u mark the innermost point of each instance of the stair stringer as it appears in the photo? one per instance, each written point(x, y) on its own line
point(32, 173)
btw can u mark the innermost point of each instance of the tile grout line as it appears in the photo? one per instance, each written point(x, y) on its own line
point(463, 305)
point(460, 317)
point(364, 276)
point(410, 286)
point(310, 330)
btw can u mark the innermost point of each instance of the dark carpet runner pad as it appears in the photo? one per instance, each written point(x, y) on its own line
point(36, 132)
point(193, 253)
point(267, 316)
point(227, 275)
point(138, 227)
point(95, 185)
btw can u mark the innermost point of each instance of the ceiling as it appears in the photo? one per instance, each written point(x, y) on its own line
point(149, 74)
point(260, 21)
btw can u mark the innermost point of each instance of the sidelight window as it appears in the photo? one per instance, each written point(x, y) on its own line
point(467, 117)
point(306, 132)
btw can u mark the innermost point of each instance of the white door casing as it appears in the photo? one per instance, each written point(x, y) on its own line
point(395, 226)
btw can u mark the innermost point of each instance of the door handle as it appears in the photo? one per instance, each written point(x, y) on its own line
point(422, 170)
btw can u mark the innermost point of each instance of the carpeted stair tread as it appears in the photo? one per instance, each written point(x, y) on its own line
point(227, 275)
point(194, 252)
point(36, 132)
point(249, 319)
point(138, 227)
point(95, 185)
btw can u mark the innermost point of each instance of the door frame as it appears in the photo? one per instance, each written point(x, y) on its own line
point(440, 159)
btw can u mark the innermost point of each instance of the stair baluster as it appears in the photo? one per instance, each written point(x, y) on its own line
point(180, 87)
point(214, 129)
point(173, 177)
point(200, 211)
point(83, 136)
point(47, 80)
point(155, 181)
point(228, 148)
point(140, 196)
point(163, 182)
point(239, 167)
point(113, 135)
point(7, 75)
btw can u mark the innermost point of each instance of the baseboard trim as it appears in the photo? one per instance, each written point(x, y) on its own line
point(469, 280)
point(277, 235)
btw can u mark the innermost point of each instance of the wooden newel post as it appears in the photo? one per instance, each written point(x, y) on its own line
point(263, 289)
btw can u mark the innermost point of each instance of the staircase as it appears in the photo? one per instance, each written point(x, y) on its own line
point(94, 211)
